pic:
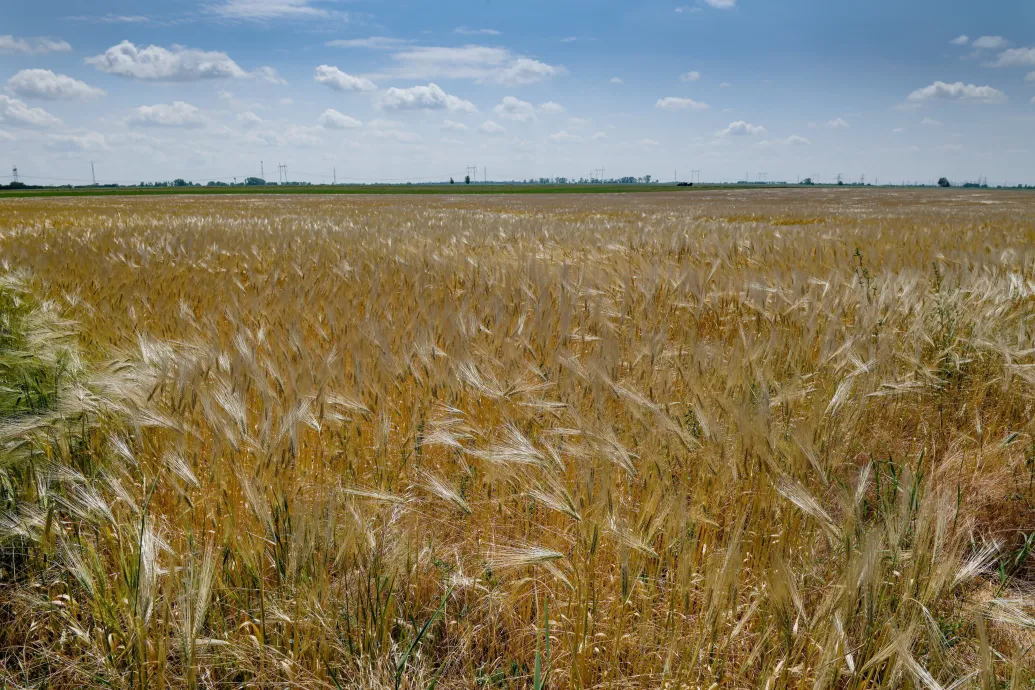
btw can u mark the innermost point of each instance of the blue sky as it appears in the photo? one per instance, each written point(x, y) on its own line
point(381, 90)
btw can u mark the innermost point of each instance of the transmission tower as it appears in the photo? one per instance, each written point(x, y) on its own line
point(14, 172)
point(472, 172)
point(93, 174)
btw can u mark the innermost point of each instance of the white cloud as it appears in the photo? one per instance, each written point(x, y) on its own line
point(577, 122)
point(599, 135)
point(725, 85)
point(741, 129)
point(690, 76)
point(484, 64)
point(91, 141)
point(298, 135)
point(401, 135)
point(688, 10)
point(334, 78)
point(249, 119)
point(569, 39)
point(465, 31)
point(617, 80)
point(551, 108)
point(178, 114)
point(564, 137)
point(990, 42)
point(15, 112)
point(332, 119)
point(898, 130)
point(32, 46)
point(527, 71)
point(512, 108)
point(112, 19)
point(155, 63)
point(930, 122)
point(960, 40)
point(372, 43)
point(452, 126)
point(493, 128)
point(795, 140)
point(674, 103)
point(647, 142)
point(1030, 77)
point(957, 91)
point(1016, 57)
point(430, 97)
point(269, 9)
point(42, 83)
point(722, 4)
point(836, 123)
point(268, 74)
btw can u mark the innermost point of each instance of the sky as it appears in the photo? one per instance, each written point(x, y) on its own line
point(411, 90)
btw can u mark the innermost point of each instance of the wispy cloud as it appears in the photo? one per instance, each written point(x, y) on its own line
point(273, 9)
point(32, 46)
point(690, 76)
point(485, 64)
point(466, 31)
point(371, 42)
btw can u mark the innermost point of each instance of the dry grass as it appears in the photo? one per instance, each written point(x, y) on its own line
point(760, 439)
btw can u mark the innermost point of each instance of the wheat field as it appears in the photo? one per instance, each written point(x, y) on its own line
point(729, 439)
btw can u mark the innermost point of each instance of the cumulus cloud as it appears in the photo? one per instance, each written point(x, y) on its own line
point(32, 46)
point(722, 4)
point(268, 74)
point(617, 80)
point(334, 78)
point(371, 42)
point(493, 128)
point(452, 126)
point(690, 76)
point(332, 119)
point(598, 136)
point(430, 97)
point(178, 114)
point(990, 43)
point(836, 123)
point(42, 83)
point(179, 64)
point(1016, 57)
point(512, 108)
point(930, 122)
point(960, 40)
point(527, 71)
point(564, 137)
point(551, 108)
point(795, 140)
point(249, 119)
point(485, 64)
point(15, 112)
point(741, 129)
point(957, 91)
point(674, 103)
point(647, 142)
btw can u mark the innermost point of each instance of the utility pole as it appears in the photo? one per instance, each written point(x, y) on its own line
point(262, 170)
point(485, 174)
point(335, 176)
point(93, 174)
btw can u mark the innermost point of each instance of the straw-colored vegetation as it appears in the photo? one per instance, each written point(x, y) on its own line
point(713, 440)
